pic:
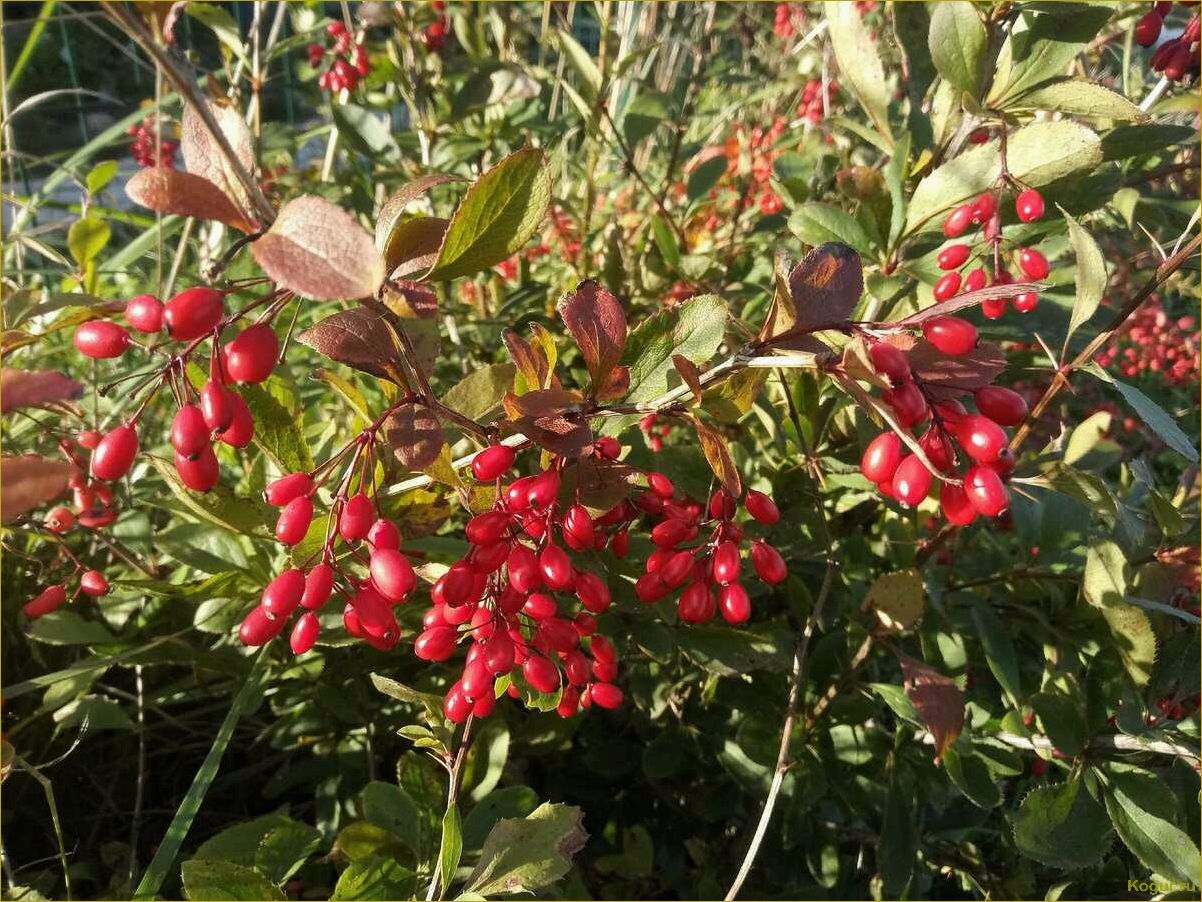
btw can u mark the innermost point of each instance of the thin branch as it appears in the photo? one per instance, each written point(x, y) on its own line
point(1110, 743)
point(452, 799)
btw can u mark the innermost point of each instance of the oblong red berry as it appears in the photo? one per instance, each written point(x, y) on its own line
point(881, 457)
point(383, 534)
point(650, 587)
point(722, 506)
point(608, 447)
point(606, 695)
point(477, 680)
point(189, 432)
point(540, 673)
point(282, 595)
point(486, 528)
point(975, 280)
point(696, 604)
point(250, 357)
point(1147, 29)
point(60, 519)
point(498, 653)
point(986, 491)
point(304, 633)
point(994, 308)
point(947, 286)
point(540, 606)
point(762, 508)
point(524, 574)
point(661, 485)
point(983, 208)
point(286, 488)
point(889, 361)
point(592, 591)
point(144, 313)
point(578, 527)
point(956, 506)
point(1026, 302)
point(953, 256)
point(294, 520)
point(456, 706)
point(950, 334)
point(259, 627)
point(492, 462)
point(193, 312)
point(556, 568)
point(242, 427)
point(116, 452)
point(912, 481)
point(958, 221)
point(768, 563)
point(980, 437)
point(1033, 264)
point(436, 643)
point(1028, 206)
point(734, 603)
point(1004, 406)
point(670, 533)
point(199, 473)
point(217, 405)
point(49, 599)
point(726, 563)
point(544, 488)
point(319, 584)
point(101, 339)
point(908, 403)
point(93, 583)
point(458, 585)
point(392, 574)
point(356, 518)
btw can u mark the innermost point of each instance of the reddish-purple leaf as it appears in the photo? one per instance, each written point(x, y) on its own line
point(413, 246)
point(30, 481)
point(552, 418)
point(689, 374)
point(394, 208)
point(410, 300)
point(204, 157)
point(19, 388)
point(185, 194)
point(530, 359)
point(415, 436)
point(965, 300)
point(947, 376)
point(596, 322)
point(360, 339)
point(717, 453)
point(938, 701)
point(597, 483)
point(826, 286)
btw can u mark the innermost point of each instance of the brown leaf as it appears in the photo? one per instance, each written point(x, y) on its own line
point(30, 481)
point(596, 322)
point(540, 403)
point(530, 359)
point(689, 374)
point(857, 364)
point(413, 245)
point(616, 384)
point(319, 251)
point(410, 300)
point(19, 388)
point(968, 299)
point(826, 286)
point(938, 701)
point(360, 339)
point(947, 376)
point(203, 156)
point(781, 315)
point(415, 436)
point(394, 208)
point(551, 418)
point(717, 453)
point(599, 484)
point(185, 194)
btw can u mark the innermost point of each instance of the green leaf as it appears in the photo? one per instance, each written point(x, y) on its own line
point(968, 772)
point(1044, 50)
point(522, 856)
point(499, 213)
point(277, 430)
point(1105, 581)
point(636, 859)
point(451, 848)
point(1036, 154)
point(361, 839)
point(705, 177)
point(479, 393)
point(366, 131)
point(1135, 638)
point(817, 224)
point(895, 697)
point(582, 63)
point(375, 877)
point(207, 880)
point(1091, 275)
point(511, 802)
point(222, 24)
point(1061, 826)
point(957, 40)
point(239, 843)
point(1079, 98)
point(98, 713)
point(486, 761)
point(218, 505)
point(895, 172)
point(859, 62)
point(390, 808)
point(693, 330)
point(899, 841)
point(100, 175)
point(86, 238)
point(1061, 720)
point(731, 652)
point(1135, 803)
point(1086, 436)
point(285, 848)
point(68, 628)
point(1152, 414)
point(1137, 140)
point(999, 648)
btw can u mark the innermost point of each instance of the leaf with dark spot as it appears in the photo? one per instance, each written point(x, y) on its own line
point(551, 418)
point(947, 376)
point(415, 436)
point(358, 338)
point(826, 286)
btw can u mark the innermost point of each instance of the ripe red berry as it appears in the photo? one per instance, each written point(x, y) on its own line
point(60, 519)
point(950, 334)
point(217, 405)
point(956, 505)
point(975, 280)
point(994, 308)
point(1028, 206)
point(722, 506)
point(358, 514)
point(189, 432)
point(670, 533)
point(259, 627)
point(383, 534)
point(946, 287)
point(556, 568)
point(540, 673)
point(986, 491)
point(193, 312)
point(242, 427)
point(592, 591)
point(661, 485)
point(697, 603)
point(101, 339)
point(1026, 302)
point(392, 574)
point(908, 403)
point(436, 643)
point(492, 462)
point(1033, 264)
point(1002, 405)
point(762, 508)
point(650, 587)
point(250, 357)
point(116, 452)
point(1147, 29)
point(606, 695)
point(89, 439)
point(889, 361)
point(524, 574)
point(304, 633)
point(319, 583)
point(608, 447)
point(726, 563)
point(282, 595)
point(144, 313)
point(983, 208)
point(938, 449)
point(456, 706)
point(294, 520)
point(458, 585)
point(881, 457)
point(286, 488)
point(93, 583)
point(544, 489)
point(958, 221)
point(981, 438)
point(734, 604)
point(578, 527)
point(49, 599)
point(198, 473)
point(953, 256)
point(911, 481)
point(768, 563)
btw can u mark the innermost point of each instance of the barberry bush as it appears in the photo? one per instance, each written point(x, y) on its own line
point(607, 450)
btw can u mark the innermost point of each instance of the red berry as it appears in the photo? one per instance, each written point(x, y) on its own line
point(953, 256)
point(768, 563)
point(1147, 29)
point(250, 357)
point(956, 505)
point(392, 574)
point(242, 427)
point(980, 437)
point(650, 587)
point(937, 449)
point(89, 439)
point(286, 488)
point(661, 485)
point(283, 594)
point(950, 334)
point(620, 544)
point(193, 312)
point(304, 633)
point(994, 308)
point(1029, 205)
point(436, 643)
point(986, 491)
point(217, 405)
point(606, 695)
point(697, 603)
point(294, 520)
point(1002, 405)
point(958, 221)
point(259, 627)
point(578, 527)
point(946, 287)
point(199, 473)
point(50, 599)
point(1033, 264)
point(458, 584)
point(556, 568)
point(189, 432)
point(93, 583)
point(116, 452)
point(492, 462)
point(675, 568)
point(540, 606)
point(60, 519)
point(726, 563)
point(608, 447)
point(544, 489)
point(1026, 302)
point(144, 313)
point(101, 339)
point(319, 583)
point(540, 673)
point(881, 457)
point(383, 534)
point(762, 508)
point(358, 514)
point(975, 280)
point(889, 361)
point(498, 653)
point(912, 481)
point(593, 592)
point(908, 403)
point(734, 604)
point(983, 208)
point(456, 706)
point(524, 574)
point(722, 506)
point(670, 533)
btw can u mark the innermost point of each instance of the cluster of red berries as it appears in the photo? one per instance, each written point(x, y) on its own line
point(654, 432)
point(1174, 707)
point(705, 567)
point(348, 63)
point(91, 583)
point(1151, 341)
point(814, 103)
point(1179, 58)
point(434, 35)
point(980, 436)
point(217, 411)
point(983, 213)
point(788, 19)
point(762, 150)
point(147, 149)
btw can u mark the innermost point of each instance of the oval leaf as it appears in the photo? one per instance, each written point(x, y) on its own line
point(19, 388)
point(185, 194)
point(415, 436)
point(597, 323)
point(204, 157)
point(30, 481)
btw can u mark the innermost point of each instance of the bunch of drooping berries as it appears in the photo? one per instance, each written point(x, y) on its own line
point(91, 583)
point(698, 550)
point(968, 447)
point(654, 431)
point(1178, 58)
point(215, 411)
point(814, 103)
point(151, 146)
point(966, 266)
point(346, 63)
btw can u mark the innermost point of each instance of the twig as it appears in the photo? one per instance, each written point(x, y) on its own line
point(48, 790)
point(452, 799)
point(1110, 743)
point(140, 790)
